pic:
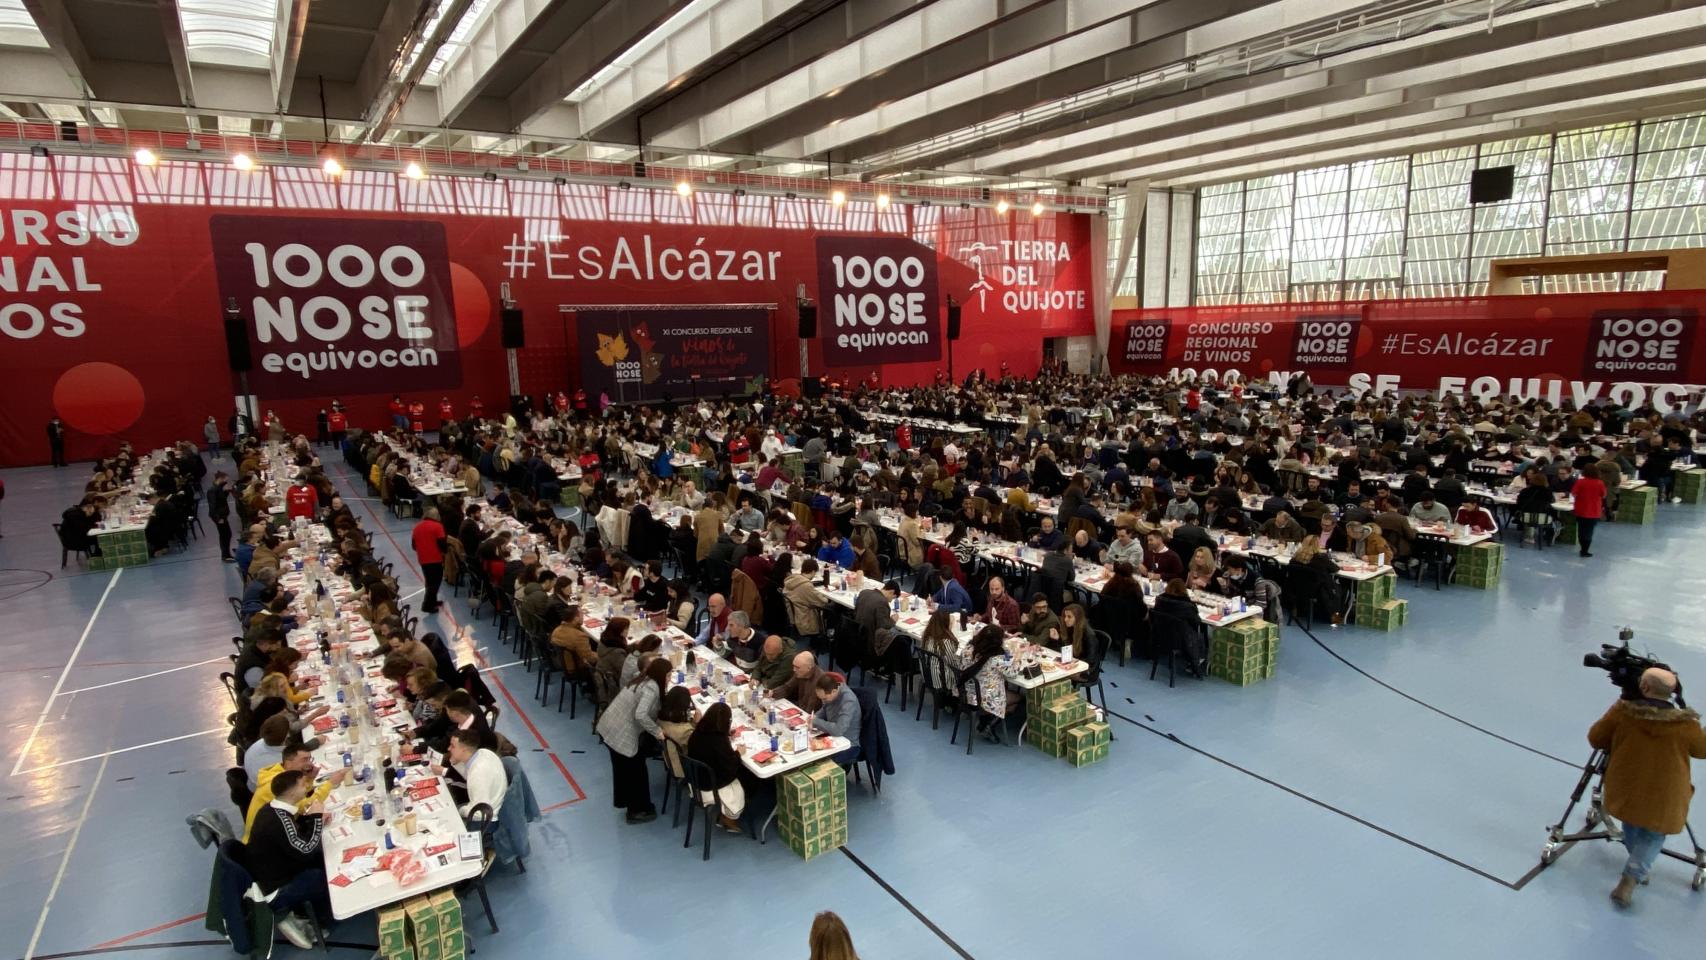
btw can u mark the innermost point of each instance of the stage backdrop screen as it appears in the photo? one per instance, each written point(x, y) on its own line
point(645, 354)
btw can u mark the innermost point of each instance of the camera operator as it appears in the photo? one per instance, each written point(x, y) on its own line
point(1647, 783)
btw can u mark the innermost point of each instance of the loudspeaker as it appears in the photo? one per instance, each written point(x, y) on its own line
point(1492, 184)
point(953, 321)
point(237, 343)
point(514, 334)
point(813, 387)
point(639, 169)
point(68, 131)
point(808, 321)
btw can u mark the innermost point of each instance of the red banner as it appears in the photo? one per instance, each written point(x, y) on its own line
point(111, 316)
point(1633, 347)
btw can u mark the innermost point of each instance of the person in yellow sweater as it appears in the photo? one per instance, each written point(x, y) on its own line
point(298, 757)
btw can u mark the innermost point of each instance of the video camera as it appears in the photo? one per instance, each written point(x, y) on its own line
point(1624, 665)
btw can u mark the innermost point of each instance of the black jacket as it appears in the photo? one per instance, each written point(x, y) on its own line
point(281, 846)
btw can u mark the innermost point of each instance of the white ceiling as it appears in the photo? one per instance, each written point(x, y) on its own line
point(1087, 92)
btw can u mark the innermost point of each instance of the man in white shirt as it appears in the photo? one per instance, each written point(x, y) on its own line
point(481, 769)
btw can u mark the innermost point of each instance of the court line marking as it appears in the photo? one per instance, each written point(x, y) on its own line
point(114, 683)
point(65, 861)
point(151, 930)
point(141, 746)
point(60, 683)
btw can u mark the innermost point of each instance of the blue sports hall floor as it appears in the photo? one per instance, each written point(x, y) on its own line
point(1384, 794)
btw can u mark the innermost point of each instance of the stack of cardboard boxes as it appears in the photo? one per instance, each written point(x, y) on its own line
point(1375, 605)
point(1691, 485)
point(1480, 565)
point(811, 812)
point(1060, 723)
point(427, 927)
point(1638, 505)
point(126, 549)
point(1244, 652)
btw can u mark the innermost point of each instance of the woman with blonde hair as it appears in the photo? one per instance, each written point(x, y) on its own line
point(829, 938)
point(1201, 569)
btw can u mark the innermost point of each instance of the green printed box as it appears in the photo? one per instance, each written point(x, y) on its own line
point(1088, 755)
point(1637, 506)
point(425, 926)
point(1388, 616)
point(1375, 589)
point(394, 934)
point(1691, 485)
point(1566, 528)
point(1481, 565)
point(453, 945)
point(1036, 698)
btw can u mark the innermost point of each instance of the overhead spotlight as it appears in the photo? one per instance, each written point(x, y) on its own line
point(790, 195)
point(1071, 210)
point(38, 151)
point(490, 175)
point(146, 157)
point(560, 181)
point(332, 167)
point(964, 205)
point(413, 171)
point(684, 188)
point(242, 162)
point(625, 185)
point(1001, 206)
point(838, 197)
point(740, 191)
point(924, 202)
point(882, 201)
point(1037, 209)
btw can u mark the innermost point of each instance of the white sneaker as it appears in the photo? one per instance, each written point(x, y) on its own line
point(295, 929)
point(1675, 499)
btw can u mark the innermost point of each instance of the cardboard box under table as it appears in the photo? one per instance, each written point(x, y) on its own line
point(1637, 505)
point(1480, 565)
point(811, 809)
point(1244, 652)
point(1371, 593)
point(427, 927)
point(125, 547)
point(1048, 717)
point(1691, 485)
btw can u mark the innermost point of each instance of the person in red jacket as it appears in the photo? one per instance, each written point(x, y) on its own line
point(1589, 495)
point(561, 403)
point(428, 540)
point(399, 412)
point(476, 407)
point(580, 403)
point(301, 500)
point(446, 412)
point(338, 422)
point(417, 416)
point(740, 449)
point(903, 436)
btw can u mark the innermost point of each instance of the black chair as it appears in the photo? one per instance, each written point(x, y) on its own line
point(237, 610)
point(66, 549)
point(229, 679)
point(1091, 679)
point(674, 787)
point(237, 781)
point(970, 706)
point(233, 859)
point(483, 821)
point(700, 781)
point(1433, 553)
point(936, 679)
point(1173, 636)
point(1537, 524)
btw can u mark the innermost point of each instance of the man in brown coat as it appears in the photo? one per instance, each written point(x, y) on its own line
point(707, 525)
point(1647, 780)
point(576, 644)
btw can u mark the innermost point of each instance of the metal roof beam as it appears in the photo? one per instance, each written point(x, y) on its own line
point(54, 22)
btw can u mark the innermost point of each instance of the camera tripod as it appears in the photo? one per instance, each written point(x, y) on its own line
point(1599, 826)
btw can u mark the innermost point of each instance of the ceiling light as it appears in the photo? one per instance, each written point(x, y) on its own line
point(882, 201)
point(1000, 206)
point(38, 151)
point(332, 167)
point(560, 181)
point(964, 205)
point(490, 175)
point(625, 185)
point(413, 171)
point(740, 192)
point(684, 188)
point(242, 162)
point(146, 157)
point(838, 197)
point(1037, 209)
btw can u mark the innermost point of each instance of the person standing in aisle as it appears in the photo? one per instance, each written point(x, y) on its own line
point(1589, 495)
point(428, 539)
point(210, 431)
point(219, 511)
point(56, 441)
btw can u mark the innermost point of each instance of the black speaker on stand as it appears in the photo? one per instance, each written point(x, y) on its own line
point(808, 320)
point(953, 332)
point(514, 331)
point(238, 357)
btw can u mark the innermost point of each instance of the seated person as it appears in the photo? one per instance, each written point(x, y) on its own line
point(478, 774)
point(837, 715)
point(283, 853)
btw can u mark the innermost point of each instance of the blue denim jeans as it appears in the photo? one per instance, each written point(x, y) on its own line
point(1644, 847)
